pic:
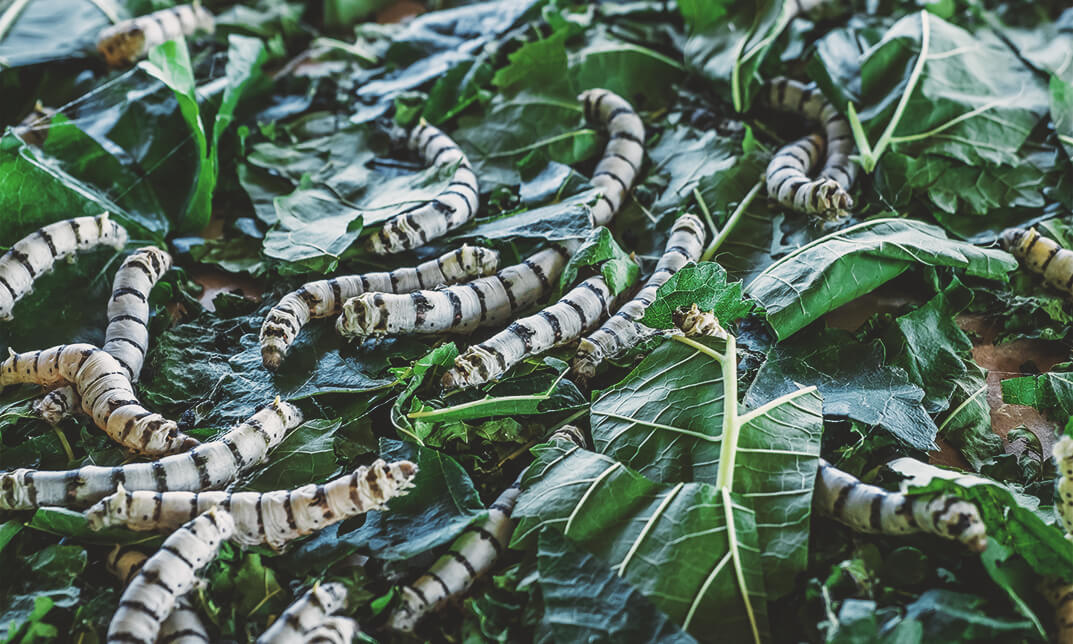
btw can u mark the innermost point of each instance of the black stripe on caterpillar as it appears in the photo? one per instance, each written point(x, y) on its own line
point(126, 42)
point(1041, 255)
point(622, 331)
point(453, 207)
point(455, 309)
point(693, 322)
point(306, 614)
point(625, 151)
point(36, 254)
point(1060, 596)
point(106, 392)
point(325, 298)
point(167, 575)
point(1063, 485)
point(274, 518)
point(127, 336)
point(334, 630)
point(788, 181)
point(867, 508)
point(212, 464)
point(184, 624)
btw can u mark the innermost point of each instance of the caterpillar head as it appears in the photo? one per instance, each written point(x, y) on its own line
point(1011, 238)
point(330, 596)
point(271, 353)
point(288, 414)
point(478, 261)
point(588, 356)
point(831, 200)
point(121, 45)
point(695, 322)
point(477, 365)
point(114, 509)
point(569, 433)
point(362, 317)
point(125, 562)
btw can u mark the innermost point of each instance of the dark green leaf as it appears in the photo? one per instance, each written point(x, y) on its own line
point(600, 249)
point(703, 284)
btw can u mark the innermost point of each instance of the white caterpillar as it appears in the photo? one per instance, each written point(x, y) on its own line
point(126, 42)
point(867, 508)
point(693, 322)
point(334, 630)
point(106, 392)
point(183, 625)
point(622, 330)
point(1041, 255)
point(787, 179)
point(1063, 485)
point(306, 614)
point(209, 465)
point(36, 254)
point(454, 309)
point(448, 210)
point(127, 336)
point(621, 162)
point(325, 298)
point(166, 576)
point(274, 518)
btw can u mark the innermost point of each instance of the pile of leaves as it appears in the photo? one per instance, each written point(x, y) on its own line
point(265, 152)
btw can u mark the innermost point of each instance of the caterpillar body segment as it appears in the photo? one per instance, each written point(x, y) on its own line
point(273, 518)
point(788, 181)
point(454, 309)
point(184, 624)
point(325, 298)
point(209, 465)
point(625, 151)
point(126, 42)
point(622, 331)
point(693, 322)
point(1060, 596)
point(867, 508)
point(36, 254)
point(334, 630)
point(167, 575)
point(106, 393)
point(127, 336)
point(306, 614)
point(448, 210)
point(1041, 255)
point(1063, 485)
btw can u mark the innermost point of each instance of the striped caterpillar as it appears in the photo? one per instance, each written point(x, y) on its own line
point(867, 508)
point(325, 298)
point(625, 151)
point(448, 210)
point(454, 309)
point(37, 253)
point(183, 625)
point(127, 336)
point(106, 392)
point(622, 331)
point(274, 518)
point(126, 42)
point(1063, 485)
point(167, 575)
point(1060, 596)
point(307, 613)
point(334, 630)
point(787, 174)
point(1041, 255)
point(693, 322)
point(209, 465)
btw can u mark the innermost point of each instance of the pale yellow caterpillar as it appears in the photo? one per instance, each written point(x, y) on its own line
point(306, 614)
point(36, 254)
point(126, 42)
point(184, 624)
point(273, 518)
point(622, 330)
point(167, 575)
point(325, 298)
point(213, 464)
point(448, 210)
point(693, 322)
point(625, 151)
point(1041, 255)
point(1063, 485)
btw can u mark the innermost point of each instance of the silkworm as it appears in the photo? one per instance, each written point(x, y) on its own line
point(334, 630)
point(212, 464)
point(1063, 485)
point(306, 614)
point(454, 309)
point(325, 298)
point(274, 518)
point(127, 336)
point(184, 624)
point(36, 254)
point(1060, 595)
point(106, 392)
point(167, 575)
point(1041, 255)
point(867, 508)
point(788, 180)
point(622, 330)
point(625, 151)
point(448, 210)
point(694, 322)
point(126, 42)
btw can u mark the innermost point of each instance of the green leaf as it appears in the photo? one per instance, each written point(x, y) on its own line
point(1062, 112)
point(538, 63)
point(41, 581)
point(703, 284)
point(1051, 393)
point(72, 524)
point(567, 219)
point(304, 456)
point(600, 249)
point(1015, 577)
point(245, 58)
point(314, 228)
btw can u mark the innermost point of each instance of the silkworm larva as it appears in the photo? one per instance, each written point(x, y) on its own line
point(694, 322)
point(36, 254)
point(106, 392)
point(307, 613)
point(1063, 485)
point(325, 298)
point(448, 210)
point(167, 575)
point(617, 169)
point(788, 180)
point(454, 309)
point(1060, 596)
point(1041, 255)
point(622, 330)
point(212, 464)
point(127, 336)
point(274, 518)
point(334, 630)
point(126, 42)
point(184, 624)
point(867, 508)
